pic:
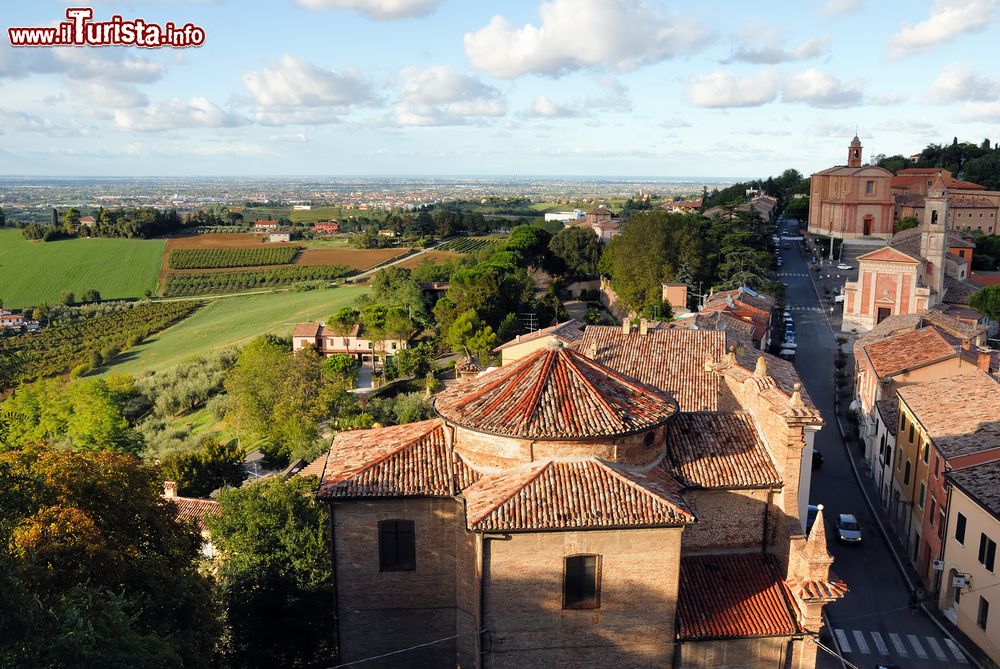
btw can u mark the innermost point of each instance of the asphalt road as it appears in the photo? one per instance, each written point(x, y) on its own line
point(873, 623)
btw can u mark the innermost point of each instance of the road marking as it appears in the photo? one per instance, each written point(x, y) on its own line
point(842, 640)
point(862, 644)
point(880, 644)
point(918, 649)
point(936, 647)
point(959, 655)
point(897, 643)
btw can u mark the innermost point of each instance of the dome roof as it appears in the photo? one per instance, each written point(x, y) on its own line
point(558, 394)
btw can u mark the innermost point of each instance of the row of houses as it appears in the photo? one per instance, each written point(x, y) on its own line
point(928, 398)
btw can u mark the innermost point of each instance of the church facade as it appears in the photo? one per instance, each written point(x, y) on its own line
point(634, 498)
point(851, 201)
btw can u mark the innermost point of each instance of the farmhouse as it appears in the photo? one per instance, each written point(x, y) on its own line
point(327, 342)
point(636, 498)
point(327, 228)
point(265, 225)
point(279, 237)
point(11, 320)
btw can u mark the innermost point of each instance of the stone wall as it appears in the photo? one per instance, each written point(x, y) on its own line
point(528, 627)
point(727, 519)
point(765, 653)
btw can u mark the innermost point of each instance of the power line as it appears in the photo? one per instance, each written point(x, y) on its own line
point(833, 652)
point(407, 650)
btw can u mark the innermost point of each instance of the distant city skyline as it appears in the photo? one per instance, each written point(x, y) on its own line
point(554, 88)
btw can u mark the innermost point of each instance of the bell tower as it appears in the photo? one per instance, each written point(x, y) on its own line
point(854, 153)
point(934, 235)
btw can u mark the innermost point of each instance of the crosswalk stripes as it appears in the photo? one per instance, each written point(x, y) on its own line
point(936, 648)
point(857, 642)
point(959, 655)
point(859, 637)
point(915, 642)
point(845, 647)
point(880, 643)
point(897, 643)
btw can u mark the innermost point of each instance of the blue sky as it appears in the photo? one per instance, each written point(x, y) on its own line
point(472, 87)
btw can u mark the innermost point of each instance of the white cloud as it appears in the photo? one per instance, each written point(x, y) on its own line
point(543, 107)
point(109, 94)
point(613, 97)
point(379, 10)
point(819, 89)
point(986, 112)
point(176, 113)
point(922, 128)
point(773, 53)
point(26, 122)
point(440, 95)
point(721, 88)
point(960, 82)
point(836, 130)
point(674, 123)
point(289, 137)
point(79, 63)
point(889, 99)
point(840, 7)
point(579, 34)
point(948, 19)
point(293, 91)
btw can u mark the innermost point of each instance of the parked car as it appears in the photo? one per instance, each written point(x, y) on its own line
point(848, 529)
point(817, 458)
point(844, 266)
point(786, 245)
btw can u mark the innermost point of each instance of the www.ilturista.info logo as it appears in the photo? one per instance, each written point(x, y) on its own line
point(80, 30)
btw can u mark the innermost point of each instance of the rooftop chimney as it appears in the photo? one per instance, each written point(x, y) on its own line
point(170, 489)
point(643, 327)
point(626, 326)
point(983, 361)
point(965, 344)
point(592, 349)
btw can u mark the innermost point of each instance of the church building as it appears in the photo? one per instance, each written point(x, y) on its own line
point(920, 269)
point(635, 497)
point(852, 201)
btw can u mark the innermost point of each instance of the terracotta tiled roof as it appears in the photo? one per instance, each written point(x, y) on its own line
point(893, 253)
point(316, 467)
point(970, 203)
point(759, 301)
point(397, 461)
point(888, 409)
point(781, 372)
point(719, 450)
point(555, 393)
point(310, 330)
point(194, 509)
point(959, 414)
point(908, 350)
point(958, 292)
point(672, 360)
point(981, 483)
point(567, 332)
point(834, 588)
point(887, 328)
point(732, 596)
point(578, 494)
point(843, 171)
point(955, 238)
point(952, 326)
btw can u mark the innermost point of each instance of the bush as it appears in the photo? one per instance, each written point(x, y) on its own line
point(80, 370)
point(200, 472)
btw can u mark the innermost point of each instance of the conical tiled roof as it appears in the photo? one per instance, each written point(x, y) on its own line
point(555, 393)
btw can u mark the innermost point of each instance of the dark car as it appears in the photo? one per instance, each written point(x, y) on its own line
point(817, 459)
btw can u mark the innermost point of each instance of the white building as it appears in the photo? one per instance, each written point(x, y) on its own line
point(566, 216)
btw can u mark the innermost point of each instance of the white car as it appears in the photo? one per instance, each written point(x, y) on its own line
point(844, 266)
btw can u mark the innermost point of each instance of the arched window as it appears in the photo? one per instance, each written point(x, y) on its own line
point(582, 582)
point(397, 550)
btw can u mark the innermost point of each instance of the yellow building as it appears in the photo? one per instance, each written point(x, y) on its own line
point(851, 201)
point(970, 594)
point(906, 506)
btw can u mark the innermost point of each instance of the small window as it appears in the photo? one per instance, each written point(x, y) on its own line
point(960, 529)
point(906, 474)
point(396, 546)
point(927, 449)
point(870, 187)
point(911, 433)
point(984, 613)
point(937, 467)
point(933, 509)
point(987, 552)
point(923, 492)
point(941, 524)
point(582, 582)
point(902, 422)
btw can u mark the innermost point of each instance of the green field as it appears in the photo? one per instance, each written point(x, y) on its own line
point(33, 272)
point(232, 321)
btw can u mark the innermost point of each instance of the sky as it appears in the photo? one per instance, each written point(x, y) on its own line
point(521, 87)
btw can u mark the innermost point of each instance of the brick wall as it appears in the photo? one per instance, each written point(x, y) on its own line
point(527, 626)
point(726, 519)
point(776, 653)
point(490, 450)
point(386, 611)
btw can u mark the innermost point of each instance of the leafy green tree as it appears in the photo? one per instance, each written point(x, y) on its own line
point(198, 473)
point(984, 170)
point(395, 287)
point(481, 342)
point(344, 320)
point(906, 223)
point(276, 578)
point(67, 299)
point(462, 329)
point(340, 368)
point(91, 295)
point(578, 248)
point(530, 242)
point(101, 571)
point(3, 218)
point(71, 220)
point(987, 302)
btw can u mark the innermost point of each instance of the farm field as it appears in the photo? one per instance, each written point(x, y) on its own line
point(233, 321)
point(33, 272)
point(470, 244)
point(435, 257)
point(217, 258)
point(359, 259)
